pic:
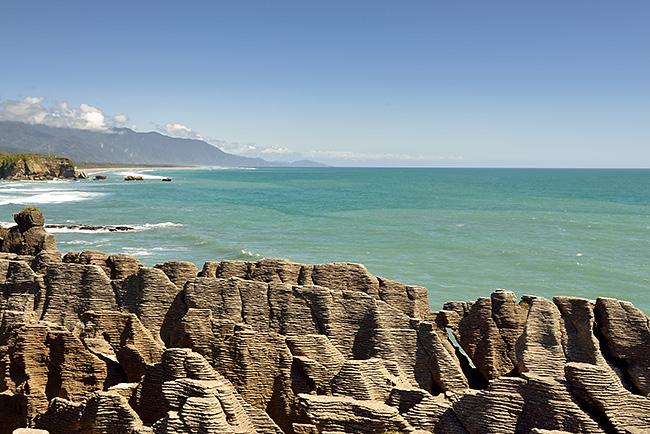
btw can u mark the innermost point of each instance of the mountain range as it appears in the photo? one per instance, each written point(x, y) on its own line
point(123, 146)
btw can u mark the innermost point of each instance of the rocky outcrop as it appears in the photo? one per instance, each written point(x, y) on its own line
point(29, 237)
point(35, 167)
point(98, 343)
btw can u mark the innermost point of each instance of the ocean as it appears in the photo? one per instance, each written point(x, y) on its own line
point(461, 233)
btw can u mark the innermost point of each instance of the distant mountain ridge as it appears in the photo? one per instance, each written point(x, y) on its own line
point(123, 146)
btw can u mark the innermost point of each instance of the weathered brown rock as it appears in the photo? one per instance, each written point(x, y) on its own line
point(444, 365)
point(72, 289)
point(517, 405)
point(411, 300)
point(598, 388)
point(121, 337)
point(29, 237)
point(539, 349)
point(39, 363)
point(29, 217)
point(274, 345)
point(102, 412)
point(35, 167)
point(158, 303)
point(179, 272)
point(344, 414)
point(626, 331)
point(122, 265)
point(481, 339)
point(194, 397)
point(44, 258)
point(20, 287)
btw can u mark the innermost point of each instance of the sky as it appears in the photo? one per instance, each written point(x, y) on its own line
point(536, 83)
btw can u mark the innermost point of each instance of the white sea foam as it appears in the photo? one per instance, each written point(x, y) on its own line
point(149, 226)
point(135, 251)
point(68, 230)
point(48, 197)
point(76, 242)
point(250, 254)
point(144, 175)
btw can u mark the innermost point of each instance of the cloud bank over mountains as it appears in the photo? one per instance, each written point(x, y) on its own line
point(39, 110)
point(31, 110)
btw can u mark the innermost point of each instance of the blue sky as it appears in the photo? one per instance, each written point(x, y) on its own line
point(386, 83)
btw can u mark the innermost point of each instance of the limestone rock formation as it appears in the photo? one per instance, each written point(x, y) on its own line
point(604, 393)
point(97, 343)
point(29, 237)
point(626, 331)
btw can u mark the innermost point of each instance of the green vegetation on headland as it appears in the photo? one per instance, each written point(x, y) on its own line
point(35, 167)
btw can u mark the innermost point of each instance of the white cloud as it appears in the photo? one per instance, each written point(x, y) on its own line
point(33, 110)
point(120, 119)
point(179, 130)
point(93, 116)
point(278, 153)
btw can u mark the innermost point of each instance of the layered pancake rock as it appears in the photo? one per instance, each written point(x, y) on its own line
point(92, 342)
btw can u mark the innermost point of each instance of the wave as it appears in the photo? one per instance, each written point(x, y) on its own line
point(139, 251)
point(76, 242)
point(89, 229)
point(247, 254)
point(82, 230)
point(50, 197)
point(149, 226)
point(143, 173)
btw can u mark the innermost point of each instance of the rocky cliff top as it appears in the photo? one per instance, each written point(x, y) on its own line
point(92, 342)
point(35, 167)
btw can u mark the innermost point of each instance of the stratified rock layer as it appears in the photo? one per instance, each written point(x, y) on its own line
point(98, 343)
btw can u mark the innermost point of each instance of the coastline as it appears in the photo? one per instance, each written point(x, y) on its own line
point(492, 376)
point(95, 170)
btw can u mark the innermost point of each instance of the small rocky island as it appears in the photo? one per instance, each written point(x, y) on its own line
point(36, 167)
point(92, 342)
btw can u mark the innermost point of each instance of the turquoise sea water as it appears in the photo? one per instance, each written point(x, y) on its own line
point(459, 232)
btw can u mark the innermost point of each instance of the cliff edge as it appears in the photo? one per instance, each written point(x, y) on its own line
point(35, 167)
point(92, 342)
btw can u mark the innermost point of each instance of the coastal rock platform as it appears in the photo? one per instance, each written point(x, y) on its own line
point(92, 342)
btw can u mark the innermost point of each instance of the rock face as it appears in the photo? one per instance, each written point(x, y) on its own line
point(35, 167)
point(29, 237)
point(98, 343)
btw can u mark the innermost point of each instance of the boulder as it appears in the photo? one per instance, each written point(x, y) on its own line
point(29, 237)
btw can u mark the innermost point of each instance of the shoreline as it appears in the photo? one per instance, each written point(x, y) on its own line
point(95, 170)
